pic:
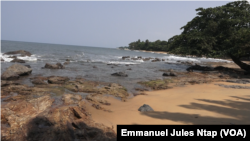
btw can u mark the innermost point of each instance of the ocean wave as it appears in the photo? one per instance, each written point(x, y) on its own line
point(203, 59)
point(117, 62)
point(29, 58)
point(6, 57)
point(177, 58)
point(26, 58)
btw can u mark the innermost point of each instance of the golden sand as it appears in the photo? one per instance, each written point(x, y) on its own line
point(193, 104)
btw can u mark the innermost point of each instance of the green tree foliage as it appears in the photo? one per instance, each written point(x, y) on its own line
point(147, 45)
point(216, 32)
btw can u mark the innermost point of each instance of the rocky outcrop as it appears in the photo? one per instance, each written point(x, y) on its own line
point(169, 74)
point(14, 71)
point(121, 74)
point(200, 68)
point(145, 108)
point(38, 82)
point(36, 119)
point(156, 60)
point(7, 83)
point(54, 66)
point(16, 60)
point(2, 59)
point(97, 98)
point(124, 57)
point(71, 98)
point(57, 79)
point(22, 52)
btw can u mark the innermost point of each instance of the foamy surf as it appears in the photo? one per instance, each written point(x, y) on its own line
point(117, 63)
point(26, 58)
point(198, 60)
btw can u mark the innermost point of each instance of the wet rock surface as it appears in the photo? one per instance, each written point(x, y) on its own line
point(21, 52)
point(168, 74)
point(14, 71)
point(200, 68)
point(32, 113)
point(121, 74)
point(54, 66)
point(57, 79)
point(16, 60)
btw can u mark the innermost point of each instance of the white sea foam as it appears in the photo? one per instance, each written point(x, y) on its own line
point(139, 60)
point(6, 57)
point(173, 58)
point(203, 59)
point(117, 62)
point(26, 58)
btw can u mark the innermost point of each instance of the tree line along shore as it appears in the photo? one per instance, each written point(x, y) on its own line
point(219, 32)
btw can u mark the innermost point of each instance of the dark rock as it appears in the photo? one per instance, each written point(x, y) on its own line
point(28, 66)
point(162, 59)
point(2, 59)
point(198, 67)
point(139, 57)
point(12, 57)
point(14, 71)
point(129, 69)
point(22, 52)
point(52, 66)
point(220, 68)
point(60, 65)
point(67, 60)
point(172, 74)
point(146, 59)
point(38, 82)
point(247, 73)
point(94, 67)
point(17, 61)
point(135, 58)
point(57, 79)
point(145, 108)
point(124, 57)
point(120, 74)
point(156, 60)
point(168, 74)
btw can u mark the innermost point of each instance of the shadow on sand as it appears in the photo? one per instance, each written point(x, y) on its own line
point(234, 112)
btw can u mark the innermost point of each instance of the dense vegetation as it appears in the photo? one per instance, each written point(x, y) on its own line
point(215, 32)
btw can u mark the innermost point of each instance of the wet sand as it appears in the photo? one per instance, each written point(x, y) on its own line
point(193, 104)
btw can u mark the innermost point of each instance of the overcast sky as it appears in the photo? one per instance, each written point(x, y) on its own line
point(98, 24)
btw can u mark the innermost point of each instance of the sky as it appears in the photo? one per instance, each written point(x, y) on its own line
point(96, 23)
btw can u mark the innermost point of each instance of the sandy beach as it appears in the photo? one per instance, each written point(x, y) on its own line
point(193, 104)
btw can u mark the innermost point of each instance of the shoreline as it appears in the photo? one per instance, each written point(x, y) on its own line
point(193, 104)
point(55, 104)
